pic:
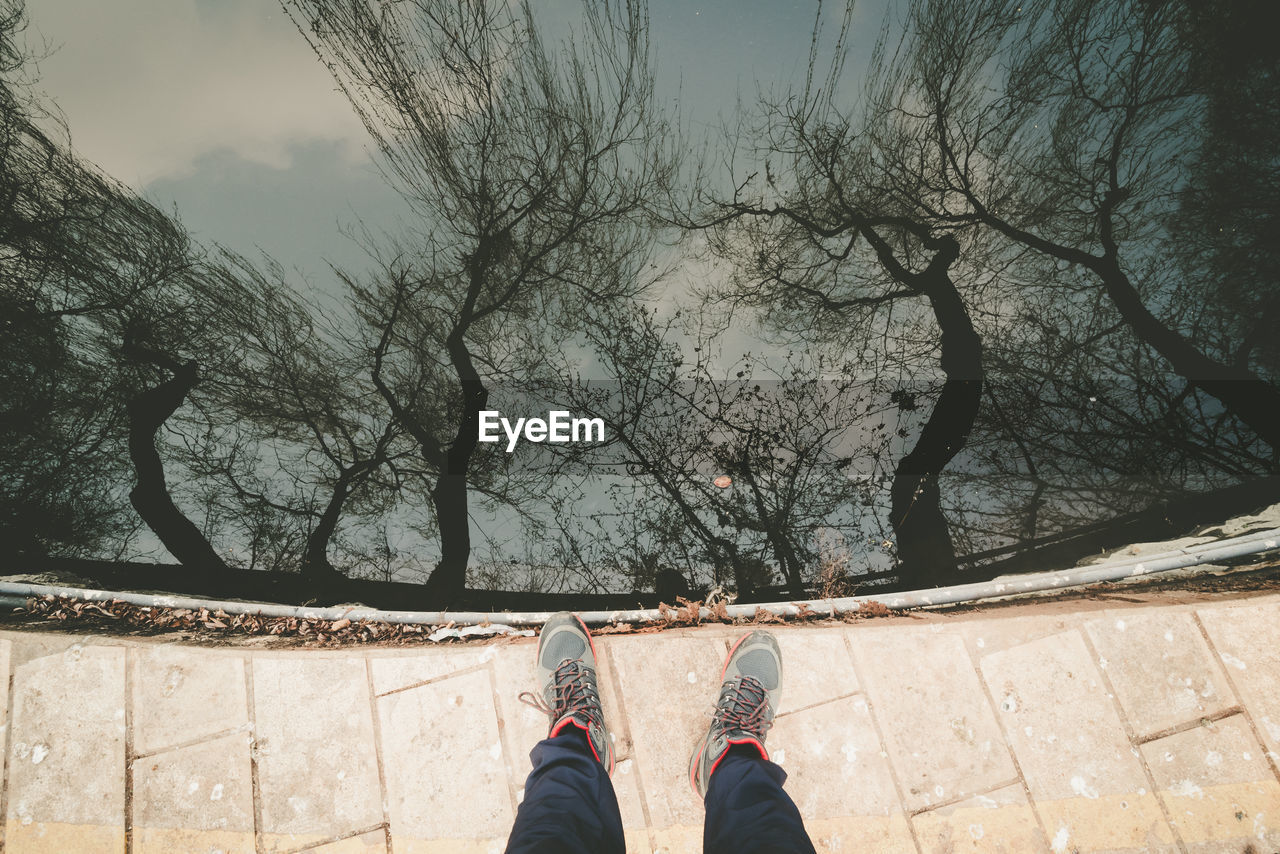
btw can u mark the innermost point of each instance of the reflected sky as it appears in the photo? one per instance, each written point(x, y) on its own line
point(220, 108)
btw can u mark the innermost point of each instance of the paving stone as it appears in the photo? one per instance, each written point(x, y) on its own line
point(1089, 785)
point(373, 842)
point(1000, 632)
point(66, 755)
point(1218, 787)
point(1247, 638)
point(675, 840)
point(1000, 822)
point(803, 683)
point(836, 769)
point(181, 694)
point(195, 798)
point(639, 839)
point(407, 845)
point(396, 672)
point(856, 834)
point(446, 778)
point(27, 646)
point(847, 835)
point(4, 697)
point(1160, 667)
point(669, 694)
point(317, 770)
point(938, 725)
point(1083, 774)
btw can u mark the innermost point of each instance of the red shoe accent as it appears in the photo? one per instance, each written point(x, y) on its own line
point(729, 657)
point(570, 720)
point(564, 722)
point(587, 632)
point(693, 770)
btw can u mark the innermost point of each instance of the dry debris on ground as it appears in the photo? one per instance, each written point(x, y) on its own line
point(320, 632)
point(152, 620)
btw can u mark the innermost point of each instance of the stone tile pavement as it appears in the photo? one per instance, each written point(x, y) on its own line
point(1149, 722)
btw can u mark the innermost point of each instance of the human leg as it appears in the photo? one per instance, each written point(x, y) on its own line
point(569, 803)
point(747, 810)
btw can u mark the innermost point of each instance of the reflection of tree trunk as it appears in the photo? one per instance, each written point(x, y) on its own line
point(925, 550)
point(315, 558)
point(1250, 398)
point(1031, 521)
point(745, 587)
point(788, 560)
point(449, 498)
point(150, 496)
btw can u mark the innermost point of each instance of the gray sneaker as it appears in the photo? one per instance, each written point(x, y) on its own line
point(749, 689)
point(567, 673)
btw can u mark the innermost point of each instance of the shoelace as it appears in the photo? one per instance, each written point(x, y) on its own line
point(575, 693)
point(744, 706)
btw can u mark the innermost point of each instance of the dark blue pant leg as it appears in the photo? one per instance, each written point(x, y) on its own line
point(747, 811)
point(569, 806)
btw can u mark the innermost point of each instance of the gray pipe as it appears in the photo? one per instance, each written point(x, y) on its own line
point(16, 594)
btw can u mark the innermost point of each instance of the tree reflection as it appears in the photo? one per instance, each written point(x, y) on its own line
point(1015, 281)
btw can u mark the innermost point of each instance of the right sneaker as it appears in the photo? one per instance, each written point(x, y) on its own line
point(569, 694)
point(750, 684)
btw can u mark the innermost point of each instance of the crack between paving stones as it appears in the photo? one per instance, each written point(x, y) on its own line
point(130, 660)
point(377, 758)
point(502, 736)
point(995, 787)
point(8, 746)
point(811, 706)
point(259, 843)
point(192, 742)
point(1235, 689)
point(1129, 732)
point(1186, 726)
point(338, 838)
point(626, 724)
point(475, 668)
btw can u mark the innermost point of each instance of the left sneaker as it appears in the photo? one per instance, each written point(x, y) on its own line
point(751, 683)
point(567, 673)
